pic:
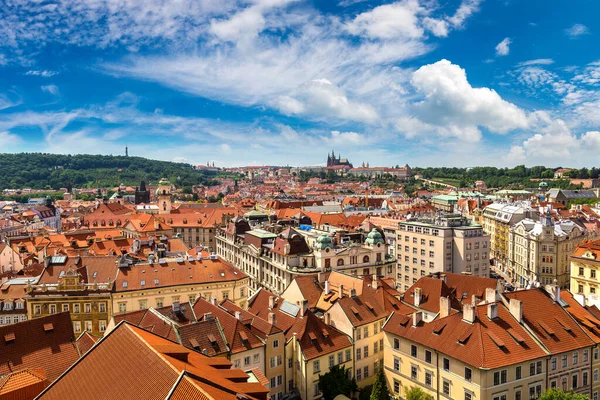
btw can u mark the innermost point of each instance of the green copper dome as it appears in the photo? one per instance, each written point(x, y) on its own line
point(323, 242)
point(374, 237)
point(164, 181)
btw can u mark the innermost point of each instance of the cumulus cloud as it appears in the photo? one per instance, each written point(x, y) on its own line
point(345, 138)
point(591, 140)
point(320, 97)
point(389, 21)
point(449, 99)
point(577, 30)
point(502, 48)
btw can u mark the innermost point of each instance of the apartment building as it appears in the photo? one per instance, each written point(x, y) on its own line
point(79, 285)
point(497, 219)
point(449, 243)
point(168, 281)
point(272, 260)
point(480, 353)
point(585, 270)
point(540, 250)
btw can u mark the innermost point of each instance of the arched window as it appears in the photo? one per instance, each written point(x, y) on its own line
point(164, 206)
point(164, 191)
point(340, 262)
point(366, 259)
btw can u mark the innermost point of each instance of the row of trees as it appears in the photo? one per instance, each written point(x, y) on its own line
point(336, 382)
point(53, 171)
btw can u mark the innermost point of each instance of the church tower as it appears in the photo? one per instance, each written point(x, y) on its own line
point(163, 196)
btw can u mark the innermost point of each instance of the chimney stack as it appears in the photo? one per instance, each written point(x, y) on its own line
point(516, 309)
point(556, 293)
point(417, 318)
point(444, 307)
point(271, 302)
point(418, 293)
point(490, 295)
point(341, 293)
point(352, 292)
point(271, 318)
point(213, 301)
point(469, 313)
point(327, 287)
point(321, 277)
point(375, 283)
point(303, 307)
point(238, 315)
point(492, 311)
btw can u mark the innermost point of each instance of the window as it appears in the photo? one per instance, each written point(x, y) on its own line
point(246, 361)
point(316, 366)
point(532, 369)
point(143, 304)
point(538, 367)
point(428, 356)
point(88, 326)
point(76, 308)
point(468, 374)
point(446, 387)
point(575, 357)
point(446, 364)
point(500, 397)
point(37, 309)
point(366, 332)
point(359, 374)
point(414, 374)
point(236, 364)
point(518, 372)
point(331, 361)
point(595, 375)
point(574, 381)
point(584, 378)
point(396, 364)
point(348, 355)
point(499, 377)
point(468, 395)
point(428, 378)
point(317, 391)
point(122, 307)
point(358, 353)
point(358, 334)
point(375, 347)
point(340, 357)
point(256, 358)
point(595, 397)
point(101, 325)
point(273, 382)
point(88, 308)
point(77, 326)
point(413, 350)
point(102, 307)
point(366, 351)
point(586, 355)
point(275, 344)
point(52, 309)
point(366, 372)
point(564, 361)
point(396, 386)
point(65, 307)
point(553, 364)
point(517, 395)
point(273, 362)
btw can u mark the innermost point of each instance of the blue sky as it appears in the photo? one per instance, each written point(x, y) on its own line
point(282, 82)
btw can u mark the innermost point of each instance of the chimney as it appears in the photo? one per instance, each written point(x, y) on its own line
point(327, 287)
point(341, 292)
point(271, 318)
point(443, 277)
point(238, 315)
point(271, 302)
point(490, 295)
point(352, 292)
point(417, 318)
point(213, 301)
point(474, 299)
point(375, 283)
point(321, 277)
point(444, 307)
point(418, 295)
point(556, 293)
point(469, 313)
point(516, 309)
point(303, 307)
point(492, 311)
point(207, 316)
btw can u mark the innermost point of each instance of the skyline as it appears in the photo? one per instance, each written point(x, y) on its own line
point(278, 82)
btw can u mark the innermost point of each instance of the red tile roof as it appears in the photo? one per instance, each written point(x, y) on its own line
point(34, 347)
point(130, 363)
point(316, 338)
point(23, 385)
point(550, 322)
point(484, 344)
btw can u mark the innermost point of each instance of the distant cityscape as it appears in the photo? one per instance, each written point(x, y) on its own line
point(269, 278)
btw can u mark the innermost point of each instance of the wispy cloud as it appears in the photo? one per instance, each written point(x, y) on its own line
point(577, 30)
point(503, 48)
point(52, 89)
point(538, 61)
point(42, 73)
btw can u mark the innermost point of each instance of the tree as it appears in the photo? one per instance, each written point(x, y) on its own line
point(380, 389)
point(416, 393)
point(336, 382)
point(557, 394)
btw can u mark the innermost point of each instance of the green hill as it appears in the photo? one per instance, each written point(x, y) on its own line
point(54, 171)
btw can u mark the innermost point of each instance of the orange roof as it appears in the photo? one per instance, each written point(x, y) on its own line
point(484, 343)
point(22, 385)
point(258, 305)
point(32, 344)
point(550, 322)
point(132, 363)
point(592, 247)
point(316, 338)
point(581, 314)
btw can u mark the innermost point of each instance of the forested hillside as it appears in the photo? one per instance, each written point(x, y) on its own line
point(53, 171)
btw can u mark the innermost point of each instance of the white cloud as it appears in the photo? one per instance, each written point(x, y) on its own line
point(464, 11)
point(438, 27)
point(502, 48)
point(516, 156)
point(225, 148)
point(320, 97)
point(8, 101)
point(577, 30)
point(338, 138)
point(52, 89)
point(42, 73)
point(390, 21)
point(591, 140)
point(448, 98)
point(538, 61)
